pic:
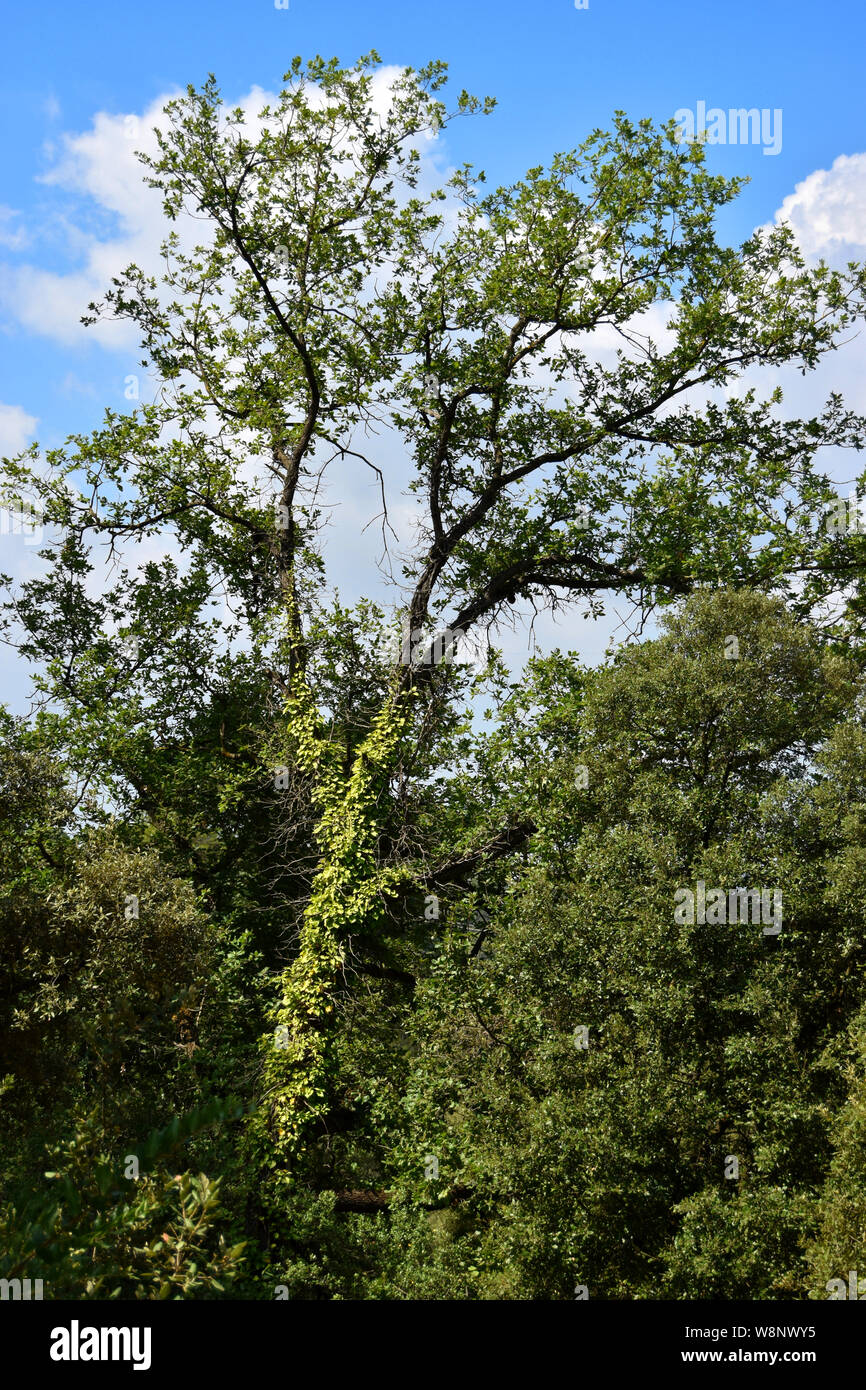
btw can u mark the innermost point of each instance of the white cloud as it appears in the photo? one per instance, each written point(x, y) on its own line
point(827, 211)
point(16, 429)
point(98, 169)
point(827, 214)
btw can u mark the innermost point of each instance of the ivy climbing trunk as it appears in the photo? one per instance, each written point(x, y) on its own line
point(348, 895)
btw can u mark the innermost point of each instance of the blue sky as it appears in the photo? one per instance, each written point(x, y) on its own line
point(556, 71)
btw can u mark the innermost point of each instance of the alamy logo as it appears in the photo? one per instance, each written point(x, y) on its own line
point(847, 516)
point(20, 1289)
point(22, 518)
point(738, 126)
point(75, 1343)
point(856, 1287)
point(429, 647)
point(715, 906)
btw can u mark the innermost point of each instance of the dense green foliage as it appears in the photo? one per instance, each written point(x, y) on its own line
point(313, 984)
